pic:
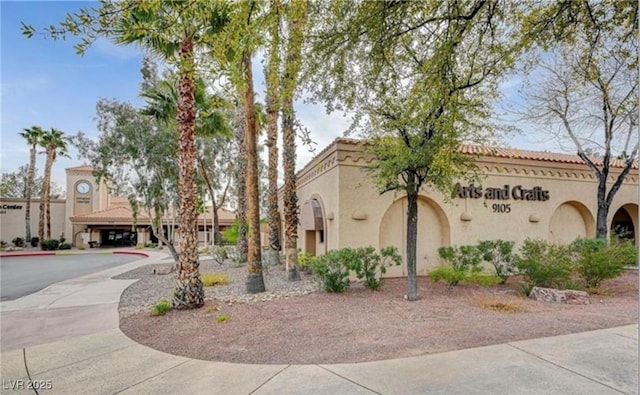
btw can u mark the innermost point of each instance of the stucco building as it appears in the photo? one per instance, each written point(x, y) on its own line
point(89, 215)
point(523, 194)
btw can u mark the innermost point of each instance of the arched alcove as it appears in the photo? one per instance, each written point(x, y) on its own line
point(569, 221)
point(624, 222)
point(433, 232)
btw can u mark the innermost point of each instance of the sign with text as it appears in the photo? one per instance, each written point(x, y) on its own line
point(506, 192)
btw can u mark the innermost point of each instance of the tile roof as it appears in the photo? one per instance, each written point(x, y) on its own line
point(115, 213)
point(510, 153)
point(515, 153)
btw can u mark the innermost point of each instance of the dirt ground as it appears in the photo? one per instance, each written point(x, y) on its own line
point(363, 325)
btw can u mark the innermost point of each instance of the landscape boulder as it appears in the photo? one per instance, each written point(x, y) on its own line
point(567, 296)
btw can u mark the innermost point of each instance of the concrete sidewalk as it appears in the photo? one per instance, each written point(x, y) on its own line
point(104, 361)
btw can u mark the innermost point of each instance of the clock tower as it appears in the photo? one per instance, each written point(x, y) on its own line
point(84, 196)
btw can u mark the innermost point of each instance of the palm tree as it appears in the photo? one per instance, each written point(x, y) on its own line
point(173, 30)
point(55, 143)
point(211, 123)
point(272, 255)
point(297, 21)
point(33, 136)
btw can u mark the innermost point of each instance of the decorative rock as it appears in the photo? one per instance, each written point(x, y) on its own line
point(567, 296)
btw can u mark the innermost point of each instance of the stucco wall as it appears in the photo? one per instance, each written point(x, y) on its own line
point(13, 224)
point(563, 208)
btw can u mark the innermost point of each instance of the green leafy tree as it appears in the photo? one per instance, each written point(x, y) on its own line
point(15, 185)
point(586, 86)
point(420, 78)
point(33, 136)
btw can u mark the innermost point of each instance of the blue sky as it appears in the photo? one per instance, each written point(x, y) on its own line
point(44, 82)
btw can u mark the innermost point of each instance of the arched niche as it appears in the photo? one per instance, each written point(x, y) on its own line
point(433, 232)
point(569, 221)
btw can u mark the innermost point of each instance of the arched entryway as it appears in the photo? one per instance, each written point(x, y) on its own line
point(570, 221)
point(624, 222)
point(312, 224)
point(433, 233)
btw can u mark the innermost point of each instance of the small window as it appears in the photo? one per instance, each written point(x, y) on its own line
point(321, 236)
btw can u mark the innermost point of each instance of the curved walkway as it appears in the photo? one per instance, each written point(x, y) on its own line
point(79, 349)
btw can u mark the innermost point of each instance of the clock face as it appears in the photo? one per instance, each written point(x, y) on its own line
point(83, 187)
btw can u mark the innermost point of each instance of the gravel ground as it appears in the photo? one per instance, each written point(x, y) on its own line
point(358, 325)
point(144, 294)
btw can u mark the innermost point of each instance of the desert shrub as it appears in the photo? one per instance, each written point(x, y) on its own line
point(463, 257)
point(222, 318)
point(219, 254)
point(3, 244)
point(484, 280)
point(18, 242)
point(332, 269)
point(161, 307)
point(232, 233)
point(500, 254)
point(464, 261)
point(211, 279)
point(595, 260)
point(305, 260)
point(34, 241)
point(543, 264)
point(50, 245)
point(64, 246)
point(449, 274)
point(370, 266)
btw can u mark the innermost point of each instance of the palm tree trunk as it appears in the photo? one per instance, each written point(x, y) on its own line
point(298, 17)
point(272, 256)
point(241, 172)
point(255, 281)
point(30, 179)
point(44, 195)
point(189, 293)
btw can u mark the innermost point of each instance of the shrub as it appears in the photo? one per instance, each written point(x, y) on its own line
point(211, 279)
point(369, 266)
point(484, 280)
point(34, 241)
point(232, 233)
point(463, 257)
point(219, 254)
point(464, 261)
point(64, 246)
point(543, 265)
point(3, 244)
point(596, 261)
point(332, 270)
point(50, 245)
point(150, 245)
point(18, 242)
point(161, 307)
point(305, 260)
point(449, 274)
point(62, 240)
point(500, 254)
point(222, 318)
